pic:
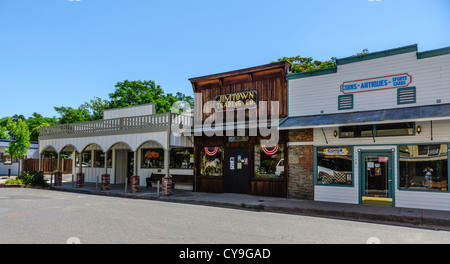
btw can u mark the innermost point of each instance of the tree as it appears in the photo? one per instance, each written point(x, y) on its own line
point(129, 93)
point(18, 148)
point(96, 105)
point(35, 121)
point(303, 64)
point(73, 115)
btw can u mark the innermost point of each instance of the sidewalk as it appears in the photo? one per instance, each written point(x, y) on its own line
point(378, 213)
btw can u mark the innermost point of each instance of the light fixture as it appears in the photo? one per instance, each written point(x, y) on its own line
point(419, 129)
point(335, 133)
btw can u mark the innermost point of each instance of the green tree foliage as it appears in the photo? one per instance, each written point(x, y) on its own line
point(304, 64)
point(73, 115)
point(21, 135)
point(130, 93)
point(35, 121)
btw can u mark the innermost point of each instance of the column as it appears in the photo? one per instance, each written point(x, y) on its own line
point(134, 181)
point(167, 180)
point(58, 173)
point(80, 174)
point(106, 177)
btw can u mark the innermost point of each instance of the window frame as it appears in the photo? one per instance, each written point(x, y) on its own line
point(316, 165)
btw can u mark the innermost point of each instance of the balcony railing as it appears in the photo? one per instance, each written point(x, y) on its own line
point(147, 123)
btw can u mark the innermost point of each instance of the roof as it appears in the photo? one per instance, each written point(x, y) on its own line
point(416, 113)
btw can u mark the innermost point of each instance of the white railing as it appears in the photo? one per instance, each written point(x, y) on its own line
point(124, 123)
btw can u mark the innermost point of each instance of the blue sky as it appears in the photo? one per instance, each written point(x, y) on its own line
point(64, 53)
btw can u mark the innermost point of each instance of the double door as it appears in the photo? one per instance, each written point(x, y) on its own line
point(237, 174)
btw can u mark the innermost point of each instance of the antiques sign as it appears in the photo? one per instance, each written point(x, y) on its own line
point(378, 83)
point(241, 100)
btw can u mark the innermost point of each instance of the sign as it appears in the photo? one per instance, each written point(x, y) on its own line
point(231, 163)
point(383, 159)
point(241, 100)
point(335, 151)
point(378, 83)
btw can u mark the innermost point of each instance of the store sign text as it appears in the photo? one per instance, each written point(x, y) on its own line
point(239, 100)
point(378, 83)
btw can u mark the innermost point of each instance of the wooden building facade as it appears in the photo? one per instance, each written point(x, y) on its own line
point(228, 154)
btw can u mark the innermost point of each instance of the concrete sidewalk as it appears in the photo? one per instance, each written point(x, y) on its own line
point(384, 214)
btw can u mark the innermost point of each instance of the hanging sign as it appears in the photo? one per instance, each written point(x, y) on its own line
point(241, 100)
point(335, 151)
point(270, 152)
point(377, 83)
point(383, 159)
point(211, 151)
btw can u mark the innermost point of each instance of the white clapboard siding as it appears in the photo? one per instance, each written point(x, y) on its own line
point(319, 94)
point(138, 110)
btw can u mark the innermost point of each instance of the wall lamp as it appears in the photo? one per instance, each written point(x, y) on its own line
point(419, 129)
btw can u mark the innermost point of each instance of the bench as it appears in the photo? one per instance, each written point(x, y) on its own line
point(176, 179)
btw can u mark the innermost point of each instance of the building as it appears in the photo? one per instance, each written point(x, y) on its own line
point(373, 130)
point(233, 119)
point(9, 166)
point(131, 145)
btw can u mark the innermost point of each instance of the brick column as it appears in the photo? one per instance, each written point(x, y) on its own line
point(105, 182)
point(166, 186)
point(134, 184)
point(301, 165)
point(80, 180)
point(58, 178)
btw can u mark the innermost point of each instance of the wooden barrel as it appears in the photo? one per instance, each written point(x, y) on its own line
point(105, 182)
point(58, 178)
point(134, 184)
point(80, 180)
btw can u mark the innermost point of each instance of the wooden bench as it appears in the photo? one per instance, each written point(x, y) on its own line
point(176, 179)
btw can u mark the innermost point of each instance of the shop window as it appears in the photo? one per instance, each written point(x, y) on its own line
point(424, 167)
point(86, 159)
point(110, 158)
point(152, 158)
point(334, 165)
point(211, 161)
point(99, 159)
point(269, 162)
point(182, 158)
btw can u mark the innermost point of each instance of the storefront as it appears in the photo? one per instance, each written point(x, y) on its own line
point(234, 118)
point(376, 129)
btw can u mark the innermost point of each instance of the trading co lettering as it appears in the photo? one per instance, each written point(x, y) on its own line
point(378, 83)
point(239, 100)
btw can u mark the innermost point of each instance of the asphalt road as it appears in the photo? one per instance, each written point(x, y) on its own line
point(48, 216)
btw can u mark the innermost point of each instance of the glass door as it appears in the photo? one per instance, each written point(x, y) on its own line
point(376, 178)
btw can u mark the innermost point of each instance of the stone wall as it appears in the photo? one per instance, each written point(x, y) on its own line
point(301, 165)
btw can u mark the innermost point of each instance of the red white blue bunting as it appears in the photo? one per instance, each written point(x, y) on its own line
point(211, 151)
point(270, 152)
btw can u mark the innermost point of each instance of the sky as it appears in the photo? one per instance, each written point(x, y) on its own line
point(66, 52)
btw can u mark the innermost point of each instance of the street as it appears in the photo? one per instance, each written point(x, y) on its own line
point(48, 216)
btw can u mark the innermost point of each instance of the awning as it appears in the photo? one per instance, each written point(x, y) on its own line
point(403, 114)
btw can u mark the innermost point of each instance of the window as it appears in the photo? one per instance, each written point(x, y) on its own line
point(269, 162)
point(99, 159)
point(110, 158)
point(334, 165)
point(396, 129)
point(380, 130)
point(356, 131)
point(1, 157)
point(424, 167)
point(152, 158)
point(182, 158)
point(86, 159)
point(7, 159)
point(211, 161)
